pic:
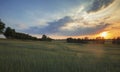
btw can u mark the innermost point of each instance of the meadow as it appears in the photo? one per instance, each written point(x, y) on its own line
point(58, 56)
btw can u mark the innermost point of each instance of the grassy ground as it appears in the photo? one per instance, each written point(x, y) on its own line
point(35, 56)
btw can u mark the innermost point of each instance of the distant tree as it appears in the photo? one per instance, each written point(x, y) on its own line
point(69, 40)
point(100, 40)
point(86, 38)
point(49, 39)
point(2, 26)
point(9, 33)
point(116, 40)
point(72, 40)
point(45, 38)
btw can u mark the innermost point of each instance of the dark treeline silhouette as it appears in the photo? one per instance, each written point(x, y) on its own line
point(116, 40)
point(99, 40)
point(12, 34)
point(73, 40)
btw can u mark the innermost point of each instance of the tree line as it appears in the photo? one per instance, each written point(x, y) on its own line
point(10, 33)
point(98, 40)
point(86, 40)
point(116, 40)
point(73, 40)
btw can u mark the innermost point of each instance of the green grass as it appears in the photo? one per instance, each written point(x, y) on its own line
point(36, 56)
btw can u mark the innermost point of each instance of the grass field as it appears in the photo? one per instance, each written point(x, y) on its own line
point(36, 56)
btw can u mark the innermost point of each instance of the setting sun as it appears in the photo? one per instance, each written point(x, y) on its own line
point(104, 34)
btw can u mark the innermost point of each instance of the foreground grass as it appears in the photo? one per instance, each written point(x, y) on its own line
point(35, 56)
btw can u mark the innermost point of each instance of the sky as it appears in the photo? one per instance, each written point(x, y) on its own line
point(62, 18)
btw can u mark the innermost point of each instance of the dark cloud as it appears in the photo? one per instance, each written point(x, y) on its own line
point(99, 4)
point(52, 27)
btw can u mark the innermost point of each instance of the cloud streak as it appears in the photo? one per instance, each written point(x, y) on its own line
point(99, 4)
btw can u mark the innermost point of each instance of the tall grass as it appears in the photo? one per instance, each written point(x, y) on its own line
point(28, 56)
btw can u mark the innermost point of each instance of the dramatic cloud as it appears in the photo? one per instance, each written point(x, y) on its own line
point(52, 27)
point(99, 4)
point(68, 27)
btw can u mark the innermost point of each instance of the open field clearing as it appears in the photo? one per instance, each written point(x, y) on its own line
point(37, 56)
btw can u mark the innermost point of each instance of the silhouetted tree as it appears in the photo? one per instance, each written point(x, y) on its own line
point(100, 40)
point(86, 38)
point(49, 39)
point(69, 40)
point(116, 40)
point(45, 38)
point(2, 26)
point(72, 40)
point(9, 33)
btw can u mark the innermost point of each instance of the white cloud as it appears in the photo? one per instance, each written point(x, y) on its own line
point(22, 26)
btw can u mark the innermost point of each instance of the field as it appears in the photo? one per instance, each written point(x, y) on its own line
point(56, 56)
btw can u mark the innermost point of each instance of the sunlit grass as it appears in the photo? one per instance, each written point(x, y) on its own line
point(36, 56)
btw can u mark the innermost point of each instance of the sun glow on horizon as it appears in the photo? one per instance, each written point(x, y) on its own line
point(104, 34)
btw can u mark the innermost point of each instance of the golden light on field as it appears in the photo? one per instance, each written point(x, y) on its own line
point(104, 34)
